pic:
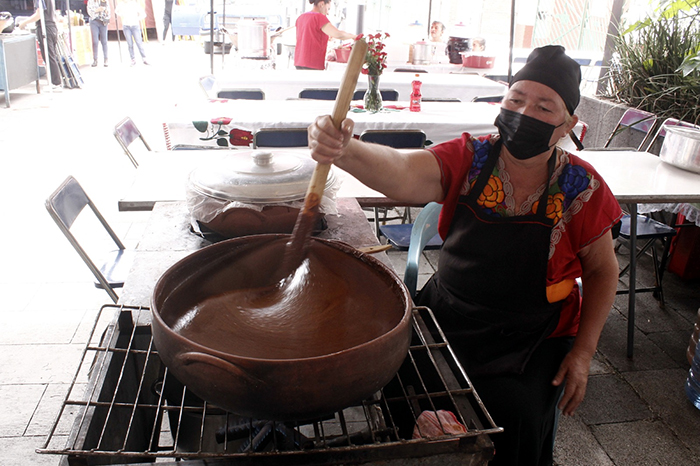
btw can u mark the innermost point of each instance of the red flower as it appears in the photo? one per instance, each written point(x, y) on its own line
point(375, 59)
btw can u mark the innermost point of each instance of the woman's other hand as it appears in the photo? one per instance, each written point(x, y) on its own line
point(327, 143)
point(574, 369)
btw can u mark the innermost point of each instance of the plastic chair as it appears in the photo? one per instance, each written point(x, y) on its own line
point(126, 132)
point(281, 137)
point(633, 119)
point(488, 98)
point(398, 139)
point(649, 231)
point(440, 99)
point(197, 147)
point(241, 94)
point(318, 94)
point(423, 236)
point(661, 132)
point(64, 206)
point(388, 95)
point(208, 85)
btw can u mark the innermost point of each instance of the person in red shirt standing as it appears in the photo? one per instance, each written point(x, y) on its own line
point(313, 31)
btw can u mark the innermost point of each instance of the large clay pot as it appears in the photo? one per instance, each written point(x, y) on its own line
point(342, 338)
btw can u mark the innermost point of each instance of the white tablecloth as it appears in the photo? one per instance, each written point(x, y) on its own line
point(441, 121)
point(641, 177)
point(286, 84)
point(163, 176)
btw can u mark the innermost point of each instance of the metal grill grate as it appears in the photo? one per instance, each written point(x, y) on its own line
point(123, 404)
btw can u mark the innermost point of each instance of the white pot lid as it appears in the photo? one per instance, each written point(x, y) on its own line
point(258, 176)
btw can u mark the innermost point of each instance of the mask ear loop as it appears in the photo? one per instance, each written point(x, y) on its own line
point(579, 144)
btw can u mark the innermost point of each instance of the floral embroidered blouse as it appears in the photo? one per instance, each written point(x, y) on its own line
point(580, 203)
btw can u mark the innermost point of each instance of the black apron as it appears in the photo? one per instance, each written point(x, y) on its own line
point(489, 293)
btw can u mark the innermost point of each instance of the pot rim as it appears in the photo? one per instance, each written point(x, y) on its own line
point(345, 247)
point(692, 133)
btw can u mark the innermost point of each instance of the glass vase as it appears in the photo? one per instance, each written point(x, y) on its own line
point(373, 99)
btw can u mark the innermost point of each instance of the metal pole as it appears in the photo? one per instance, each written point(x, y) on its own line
point(66, 5)
point(211, 35)
point(430, 15)
point(223, 36)
point(116, 23)
point(615, 15)
point(512, 40)
point(47, 60)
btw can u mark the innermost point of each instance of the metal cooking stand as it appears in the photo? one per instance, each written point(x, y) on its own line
point(123, 413)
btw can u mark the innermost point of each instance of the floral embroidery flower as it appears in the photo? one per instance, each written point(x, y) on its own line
point(240, 137)
point(555, 206)
point(573, 180)
point(481, 153)
point(493, 193)
point(236, 136)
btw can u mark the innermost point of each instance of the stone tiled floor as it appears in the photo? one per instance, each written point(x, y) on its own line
point(635, 413)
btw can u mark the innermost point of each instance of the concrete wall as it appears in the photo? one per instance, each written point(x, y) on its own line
point(601, 117)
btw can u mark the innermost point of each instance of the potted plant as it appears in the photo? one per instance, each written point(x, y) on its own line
point(656, 66)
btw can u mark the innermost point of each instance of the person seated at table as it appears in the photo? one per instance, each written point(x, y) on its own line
point(437, 29)
point(478, 44)
point(522, 219)
point(313, 31)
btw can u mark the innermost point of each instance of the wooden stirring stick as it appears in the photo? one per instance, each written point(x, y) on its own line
point(298, 245)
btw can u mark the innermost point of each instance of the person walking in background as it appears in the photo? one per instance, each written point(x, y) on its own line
point(131, 14)
point(313, 31)
point(168, 19)
point(47, 6)
point(99, 13)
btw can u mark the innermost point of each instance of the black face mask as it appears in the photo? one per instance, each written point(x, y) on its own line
point(524, 136)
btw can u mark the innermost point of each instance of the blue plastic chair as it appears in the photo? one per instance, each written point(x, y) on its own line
point(396, 138)
point(281, 137)
point(318, 94)
point(648, 232)
point(489, 98)
point(241, 94)
point(424, 232)
point(388, 95)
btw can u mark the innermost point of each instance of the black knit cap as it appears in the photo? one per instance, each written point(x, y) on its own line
point(549, 65)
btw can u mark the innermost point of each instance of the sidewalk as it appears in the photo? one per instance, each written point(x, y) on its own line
point(635, 412)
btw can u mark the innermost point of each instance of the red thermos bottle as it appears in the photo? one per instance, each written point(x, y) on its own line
point(415, 95)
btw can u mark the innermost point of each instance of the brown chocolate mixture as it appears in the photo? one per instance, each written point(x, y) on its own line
point(333, 301)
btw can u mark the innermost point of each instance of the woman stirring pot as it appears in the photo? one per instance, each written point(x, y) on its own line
point(521, 220)
point(313, 31)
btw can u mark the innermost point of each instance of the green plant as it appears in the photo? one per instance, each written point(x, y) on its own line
point(657, 63)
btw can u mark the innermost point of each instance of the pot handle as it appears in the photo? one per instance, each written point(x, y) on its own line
point(226, 366)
